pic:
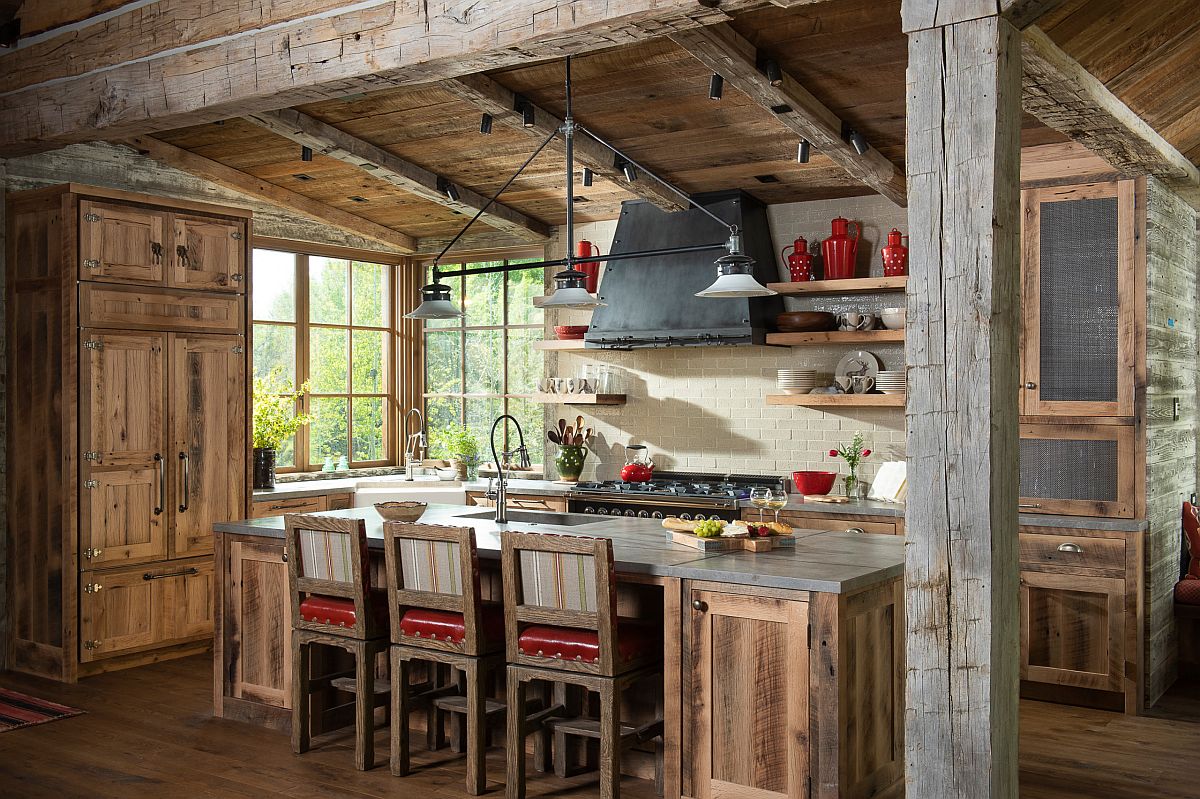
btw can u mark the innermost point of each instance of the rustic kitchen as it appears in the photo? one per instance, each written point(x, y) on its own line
point(684, 398)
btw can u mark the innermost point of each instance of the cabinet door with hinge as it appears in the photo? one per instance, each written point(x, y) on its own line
point(1079, 470)
point(749, 665)
point(208, 434)
point(1073, 630)
point(121, 243)
point(117, 613)
point(123, 519)
point(187, 600)
point(1079, 253)
point(207, 253)
point(257, 608)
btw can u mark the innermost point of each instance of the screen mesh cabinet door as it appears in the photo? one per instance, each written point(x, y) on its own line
point(1079, 272)
point(1079, 470)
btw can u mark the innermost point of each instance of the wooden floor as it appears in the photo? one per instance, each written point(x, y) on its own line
point(148, 733)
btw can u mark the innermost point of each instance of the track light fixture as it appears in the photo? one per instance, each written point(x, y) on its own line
point(629, 170)
point(803, 153)
point(716, 85)
point(485, 124)
point(306, 154)
point(856, 139)
point(527, 115)
point(449, 189)
point(774, 73)
point(587, 176)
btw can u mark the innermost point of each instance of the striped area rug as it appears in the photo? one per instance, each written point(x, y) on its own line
point(21, 710)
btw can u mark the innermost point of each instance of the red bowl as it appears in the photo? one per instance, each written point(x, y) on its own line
point(570, 332)
point(813, 482)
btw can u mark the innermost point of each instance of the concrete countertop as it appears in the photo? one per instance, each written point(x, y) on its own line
point(342, 485)
point(828, 562)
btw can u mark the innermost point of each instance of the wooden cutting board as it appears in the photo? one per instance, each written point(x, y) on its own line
point(719, 544)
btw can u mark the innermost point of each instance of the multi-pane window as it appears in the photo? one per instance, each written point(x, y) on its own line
point(484, 364)
point(327, 322)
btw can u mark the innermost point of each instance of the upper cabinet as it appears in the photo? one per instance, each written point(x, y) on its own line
point(1080, 272)
point(207, 253)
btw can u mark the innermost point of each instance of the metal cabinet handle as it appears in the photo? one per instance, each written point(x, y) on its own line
point(1031, 385)
point(855, 530)
point(1069, 547)
point(162, 483)
point(182, 252)
point(156, 250)
point(699, 606)
point(1029, 505)
point(187, 481)
point(184, 573)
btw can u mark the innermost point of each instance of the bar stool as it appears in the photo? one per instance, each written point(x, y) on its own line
point(438, 617)
point(334, 605)
point(561, 626)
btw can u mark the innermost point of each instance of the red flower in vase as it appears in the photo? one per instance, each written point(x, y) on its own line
point(833, 453)
point(866, 452)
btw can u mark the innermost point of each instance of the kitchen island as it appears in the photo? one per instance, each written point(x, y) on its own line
point(782, 670)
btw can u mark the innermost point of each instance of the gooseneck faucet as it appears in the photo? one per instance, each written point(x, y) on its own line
point(416, 443)
point(523, 461)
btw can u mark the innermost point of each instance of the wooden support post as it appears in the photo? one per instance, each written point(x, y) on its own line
point(963, 163)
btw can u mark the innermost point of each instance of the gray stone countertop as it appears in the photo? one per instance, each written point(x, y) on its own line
point(316, 488)
point(828, 562)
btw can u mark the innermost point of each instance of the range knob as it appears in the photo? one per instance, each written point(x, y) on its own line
point(656, 515)
point(603, 511)
point(631, 512)
point(589, 509)
point(687, 517)
point(643, 514)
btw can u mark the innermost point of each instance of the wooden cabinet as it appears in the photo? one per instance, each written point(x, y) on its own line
point(278, 506)
point(521, 502)
point(1080, 603)
point(855, 523)
point(1079, 470)
point(257, 610)
point(134, 440)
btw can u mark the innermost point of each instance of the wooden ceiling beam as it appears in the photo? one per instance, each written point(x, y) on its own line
point(1062, 94)
point(495, 99)
point(390, 168)
point(366, 48)
point(39, 16)
point(926, 14)
point(236, 180)
point(728, 53)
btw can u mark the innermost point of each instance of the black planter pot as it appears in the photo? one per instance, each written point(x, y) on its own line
point(264, 468)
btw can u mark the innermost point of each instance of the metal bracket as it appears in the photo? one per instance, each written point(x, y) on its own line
point(92, 344)
point(91, 263)
point(91, 217)
point(91, 456)
point(238, 349)
point(237, 277)
point(93, 588)
point(90, 553)
point(91, 483)
point(236, 235)
point(92, 644)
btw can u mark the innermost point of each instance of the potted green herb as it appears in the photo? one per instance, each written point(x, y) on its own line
point(275, 421)
point(460, 446)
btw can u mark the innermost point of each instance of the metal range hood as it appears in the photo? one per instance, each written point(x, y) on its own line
point(651, 302)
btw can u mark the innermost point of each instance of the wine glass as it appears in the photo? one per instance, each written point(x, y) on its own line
point(760, 497)
point(777, 500)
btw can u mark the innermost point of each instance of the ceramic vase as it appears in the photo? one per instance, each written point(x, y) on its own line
point(264, 468)
point(569, 462)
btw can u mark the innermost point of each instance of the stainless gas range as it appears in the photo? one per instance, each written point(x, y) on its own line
point(688, 495)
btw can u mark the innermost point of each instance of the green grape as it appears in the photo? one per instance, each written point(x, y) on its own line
point(709, 528)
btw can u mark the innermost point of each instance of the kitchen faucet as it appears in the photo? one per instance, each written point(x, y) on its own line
point(416, 443)
point(501, 495)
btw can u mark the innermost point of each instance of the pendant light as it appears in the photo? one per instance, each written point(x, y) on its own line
point(735, 275)
point(435, 303)
point(570, 291)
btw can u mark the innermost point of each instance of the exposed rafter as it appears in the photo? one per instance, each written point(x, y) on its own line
point(1062, 94)
point(379, 163)
point(493, 98)
point(728, 53)
point(924, 14)
point(239, 181)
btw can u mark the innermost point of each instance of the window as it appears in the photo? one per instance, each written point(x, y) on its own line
point(328, 321)
point(484, 364)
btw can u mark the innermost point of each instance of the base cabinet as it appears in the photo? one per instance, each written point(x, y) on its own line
point(257, 611)
point(521, 502)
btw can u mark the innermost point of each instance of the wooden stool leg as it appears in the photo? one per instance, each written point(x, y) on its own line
point(400, 709)
point(458, 724)
point(301, 736)
point(476, 721)
point(364, 707)
point(542, 753)
point(435, 730)
point(515, 739)
point(610, 741)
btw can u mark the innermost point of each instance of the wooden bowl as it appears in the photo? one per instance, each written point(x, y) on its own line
point(401, 511)
point(805, 321)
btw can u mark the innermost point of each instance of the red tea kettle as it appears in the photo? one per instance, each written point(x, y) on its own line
point(799, 263)
point(639, 467)
point(585, 249)
point(840, 251)
point(895, 254)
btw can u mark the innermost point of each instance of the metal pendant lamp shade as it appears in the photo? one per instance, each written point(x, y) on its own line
point(735, 275)
point(435, 304)
point(570, 292)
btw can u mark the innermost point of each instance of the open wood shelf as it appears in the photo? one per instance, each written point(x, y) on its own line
point(575, 344)
point(854, 285)
point(579, 399)
point(836, 337)
point(844, 400)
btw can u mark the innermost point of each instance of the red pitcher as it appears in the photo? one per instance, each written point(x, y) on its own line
point(839, 251)
point(800, 261)
point(590, 268)
point(895, 254)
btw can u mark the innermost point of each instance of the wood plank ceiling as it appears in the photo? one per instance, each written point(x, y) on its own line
point(651, 100)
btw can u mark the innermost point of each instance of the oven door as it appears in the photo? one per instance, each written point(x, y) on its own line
point(646, 507)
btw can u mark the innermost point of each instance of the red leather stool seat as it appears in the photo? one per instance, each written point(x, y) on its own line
point(635, 639)
point(1187, 591)
point(339, 611)
point(446, 625)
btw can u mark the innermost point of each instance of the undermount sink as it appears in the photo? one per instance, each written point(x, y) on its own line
point(533, 517)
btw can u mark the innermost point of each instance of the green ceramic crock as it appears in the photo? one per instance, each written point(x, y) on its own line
point(569, 462)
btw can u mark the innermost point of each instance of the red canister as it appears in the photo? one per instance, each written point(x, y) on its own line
point(585, 249)
point(799, 262)
point(840, 250)
point(895, 254)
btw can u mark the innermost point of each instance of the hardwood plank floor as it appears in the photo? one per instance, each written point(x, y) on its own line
point(148, 733)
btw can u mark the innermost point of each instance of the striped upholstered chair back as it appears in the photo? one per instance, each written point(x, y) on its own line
point(434, 588)
point(559, 587)
point(330, 577)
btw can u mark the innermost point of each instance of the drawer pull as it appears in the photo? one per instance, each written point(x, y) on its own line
point(1069, 547)
point(184, 573)
point(1029, 505)
point(855, 530)
point(699, 606)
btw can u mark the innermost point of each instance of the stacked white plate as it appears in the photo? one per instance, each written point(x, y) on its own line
point(890, 382)
point(797, 381)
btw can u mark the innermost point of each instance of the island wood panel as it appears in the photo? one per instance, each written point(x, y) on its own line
point(138, 308)
point(255, 630)
point(822, 521)
point(207, 253)
point(265, 508)
point(521, 501)
point(121, 243)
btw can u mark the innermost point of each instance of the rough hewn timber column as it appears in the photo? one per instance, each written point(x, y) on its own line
point(963, 159)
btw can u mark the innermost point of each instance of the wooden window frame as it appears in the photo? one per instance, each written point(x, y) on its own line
point(302, 326)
